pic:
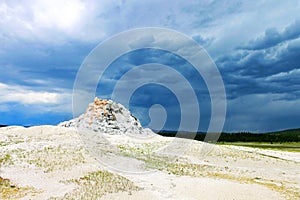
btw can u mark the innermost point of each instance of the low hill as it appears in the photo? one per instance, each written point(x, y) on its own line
point(51, 162)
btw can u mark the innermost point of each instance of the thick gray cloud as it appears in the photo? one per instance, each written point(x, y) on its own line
point(273, 37)
point(269, 66)
point(262, 112)
point(255, 45)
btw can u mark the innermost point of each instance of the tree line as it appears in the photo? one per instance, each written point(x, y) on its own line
point(292, 135)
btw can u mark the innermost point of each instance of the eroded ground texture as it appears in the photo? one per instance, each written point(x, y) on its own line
point(50, 162)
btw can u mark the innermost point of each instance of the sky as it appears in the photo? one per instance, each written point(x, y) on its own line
point(254, 45)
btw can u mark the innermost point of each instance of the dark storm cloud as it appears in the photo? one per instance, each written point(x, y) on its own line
point(273, 67)
point(32, 64)
point(273, 37)
point(256, 46)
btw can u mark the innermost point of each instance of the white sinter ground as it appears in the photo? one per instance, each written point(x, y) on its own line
point(100, 155)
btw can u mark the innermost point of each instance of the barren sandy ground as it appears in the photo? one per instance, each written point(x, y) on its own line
point(50, 162)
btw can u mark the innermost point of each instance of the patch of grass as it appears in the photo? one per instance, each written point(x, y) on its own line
point(10, 191)
point(50, 158)
point(97, 184)
point(3, 143)
point(5, 159)
point(288, 146)
point(55, 158)
point(10, 140)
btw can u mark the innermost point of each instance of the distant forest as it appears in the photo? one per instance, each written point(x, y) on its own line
point(292, 135)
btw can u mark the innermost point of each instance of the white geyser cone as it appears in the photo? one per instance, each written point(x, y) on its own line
point(107, 116)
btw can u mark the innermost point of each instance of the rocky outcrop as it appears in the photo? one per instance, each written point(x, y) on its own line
point(107, 116)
